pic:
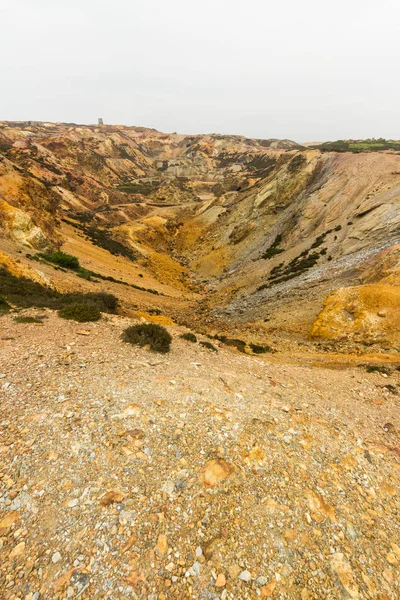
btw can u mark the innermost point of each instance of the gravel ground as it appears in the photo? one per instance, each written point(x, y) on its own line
point(125, 474)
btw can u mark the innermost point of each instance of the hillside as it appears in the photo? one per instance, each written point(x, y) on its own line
point(249, 236)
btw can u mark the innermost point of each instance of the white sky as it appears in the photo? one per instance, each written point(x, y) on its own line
point(300, 69)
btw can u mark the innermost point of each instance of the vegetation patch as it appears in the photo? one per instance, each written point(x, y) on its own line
point(236, 343)
point(27, 319)
point(103, 239)
point(273, 250)
point(258, 349)
point(296, 163)
point(62, 259)
point(368, 145)
point(138, 187)
point(378, 369)
point(4, 306)
point(81, 312)
point(148, 334)
point(26, 293)
point(209, 346)
point(189, 337)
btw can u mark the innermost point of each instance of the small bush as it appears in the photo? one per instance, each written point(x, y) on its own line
point(257, 349)
point(4, 306)
point(148, 334)
point(189, 337)
point(81, 312)
point(61, 259)
point(209, 346)
point(23, 319)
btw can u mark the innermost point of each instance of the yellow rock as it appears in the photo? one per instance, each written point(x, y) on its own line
point(215, 471)
point(366, 313)
point(17, 550)
point(9, 519)
point(162, 544)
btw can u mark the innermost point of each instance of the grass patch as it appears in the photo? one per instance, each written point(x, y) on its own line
point(148, 334)
point(82, 312)
point(189, 337)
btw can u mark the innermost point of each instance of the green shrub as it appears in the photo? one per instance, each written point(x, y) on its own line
point(25, 319)
point(189, 337)
point(81, 312)
point(61, 259)
point(209, 346)
point(4, 306)
point(148, 334)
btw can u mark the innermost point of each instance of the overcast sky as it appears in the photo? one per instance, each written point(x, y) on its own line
point(307, 70)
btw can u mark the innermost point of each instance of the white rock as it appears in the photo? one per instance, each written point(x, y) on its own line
point(245, 576)
point(56, 557)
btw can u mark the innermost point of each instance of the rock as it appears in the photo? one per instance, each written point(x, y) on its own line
point(56, 557)
point(220, 581)
point(17, 550)
point(111, 497)
point(168, 487)
point(214, 472)
point(245, 576)
point(343, 571)
point(9, 519)
point(267, 590)
point(234, 571)
point(162, 544)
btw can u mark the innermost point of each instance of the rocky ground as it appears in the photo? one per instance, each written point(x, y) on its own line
point(126, 474)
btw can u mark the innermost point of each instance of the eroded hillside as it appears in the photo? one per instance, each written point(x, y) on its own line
point(232, 236)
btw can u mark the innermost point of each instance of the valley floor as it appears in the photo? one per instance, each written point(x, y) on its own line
point(126, 474)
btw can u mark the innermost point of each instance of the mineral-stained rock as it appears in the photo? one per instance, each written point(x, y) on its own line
point(344, 573)
point(215, 471)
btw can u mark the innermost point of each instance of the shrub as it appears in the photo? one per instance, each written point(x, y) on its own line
point(25, 319)
point(189, 337)
point(27, 293)
point(258, 349)
point(4, 306)
point(61, 259)
point(81, 312)
point(378, 369)
point(148, 334)
point(209, 346)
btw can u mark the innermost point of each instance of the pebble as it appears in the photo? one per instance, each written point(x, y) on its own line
point(56, 557)
point(245, 576)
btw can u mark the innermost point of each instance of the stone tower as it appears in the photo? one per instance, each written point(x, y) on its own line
point(101, 121)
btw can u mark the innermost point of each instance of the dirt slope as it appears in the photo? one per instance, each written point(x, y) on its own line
point(126, 474)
